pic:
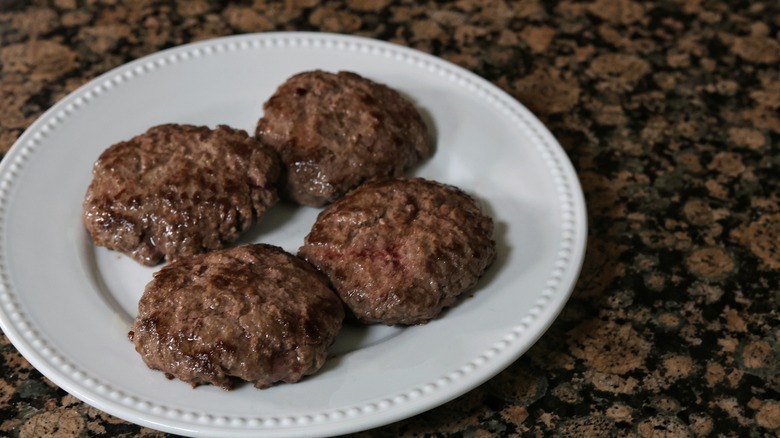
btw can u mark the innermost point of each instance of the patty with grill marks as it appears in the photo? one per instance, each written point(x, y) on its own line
point(335, 131)
point(252, 312)
point(399, 251)
point(178, 190)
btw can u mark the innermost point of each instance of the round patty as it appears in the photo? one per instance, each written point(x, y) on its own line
point(399, 251)
point(253, 312)
point(178, 190)
point(335, 131)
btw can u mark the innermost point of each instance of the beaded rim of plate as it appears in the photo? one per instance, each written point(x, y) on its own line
point(570, 200)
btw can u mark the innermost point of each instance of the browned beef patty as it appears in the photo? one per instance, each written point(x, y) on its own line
point(399, 251)
point(178, 190)
point(335, 131)
point(253, 312)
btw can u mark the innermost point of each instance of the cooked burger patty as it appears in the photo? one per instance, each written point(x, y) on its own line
point(253, 312)
point(399, 251)
point(335, 131)
point(178, 190)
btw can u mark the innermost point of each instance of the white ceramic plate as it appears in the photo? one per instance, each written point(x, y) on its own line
point(67, 306)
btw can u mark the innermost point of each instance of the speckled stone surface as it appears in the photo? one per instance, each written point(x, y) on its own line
point(670, 112)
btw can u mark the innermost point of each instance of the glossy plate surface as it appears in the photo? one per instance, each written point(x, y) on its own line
point(67, 306)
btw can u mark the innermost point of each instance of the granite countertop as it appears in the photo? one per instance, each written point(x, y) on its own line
point(670, 113)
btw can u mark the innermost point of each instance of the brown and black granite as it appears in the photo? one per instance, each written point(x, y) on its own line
point(670, 112)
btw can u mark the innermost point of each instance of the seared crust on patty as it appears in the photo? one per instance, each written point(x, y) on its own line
point(253, 312)
point(399, 251)
point(335, 131)
point(178, 190)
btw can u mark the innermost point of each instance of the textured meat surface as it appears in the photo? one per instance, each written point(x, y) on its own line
point(178, 190)
point(253, 312)
point(399, 251)
point(335, 131)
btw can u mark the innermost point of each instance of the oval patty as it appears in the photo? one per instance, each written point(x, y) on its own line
point(178, 190)
point(335, 131)
point(253, 312)
point(399, 251)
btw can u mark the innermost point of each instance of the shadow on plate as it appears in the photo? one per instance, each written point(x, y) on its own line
point(88, 251)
